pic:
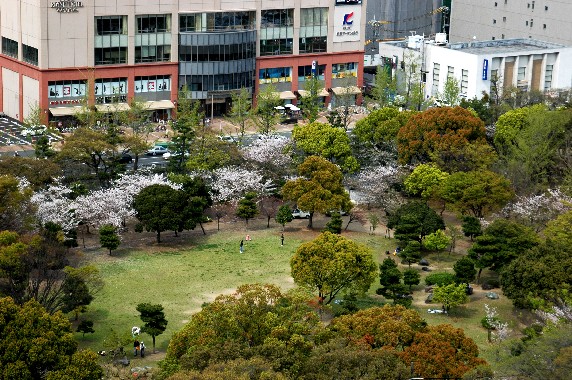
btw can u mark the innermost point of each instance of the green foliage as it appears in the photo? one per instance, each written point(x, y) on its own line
point(411, 253)
point(471, 226)
point(189, 118)
point(373, 220)
point(247, 208)
point(480, 106)
point(311, 103)
point(436, 241)
point(108, 237)
point(35, 344)
point(385, 86)
point(450, 295)
point(465, 271)
point(319, 188)
point(85, 327)
point(154, 319)
point(240, 112)
point(15, 207)
point(76, 294)
point(284, 215)
point(43, 149)
point(390, 280)
point(413, 221)
point(331, 263)
point(425, 180)
point(440, 279)
point(379, 128)
point(158, 208)
point(411, 277)
point(451, 92)
point(479, 192)
point(265, 115)
point(323, 140)
point(334, 225)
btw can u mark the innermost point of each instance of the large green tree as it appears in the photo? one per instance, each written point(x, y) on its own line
point(247, 208)
point(240, 113)
point(108, 237)
point(413, 221)
point(425, 180)
point(465, 271)
point(501, 242)
point(35, 344)
point(154, 320)
point(318, 189)
point(331, 263)
point(265, 115)
point(319, 139)
point(158, 208)
point(450, 295)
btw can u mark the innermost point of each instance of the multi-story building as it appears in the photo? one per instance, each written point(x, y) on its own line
point(55, 54)
point(479, 66)
point(545, 20)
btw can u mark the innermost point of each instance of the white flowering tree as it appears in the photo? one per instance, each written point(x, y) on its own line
point(269, 152)
point(229, 184)
point(497, 330)
point(374, 186)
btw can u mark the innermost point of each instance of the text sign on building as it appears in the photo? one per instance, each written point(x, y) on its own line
point(347, 22)
point(67, 6)
point(347, 2)
point(485, 68)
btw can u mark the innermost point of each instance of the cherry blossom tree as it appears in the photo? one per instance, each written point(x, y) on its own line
point(269, 151)
point(231, 183)
point(374, 186)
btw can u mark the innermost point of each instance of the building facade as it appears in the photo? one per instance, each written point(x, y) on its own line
point(545, 20)
point(479, 66)
point(56, 54)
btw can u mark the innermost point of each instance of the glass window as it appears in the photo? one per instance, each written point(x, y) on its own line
point(436, 72)
point(548, 77)
point(30, 54)
point(305, 72)
point(276, 31)
point(153, 24)
point(110, 90)
point(343, 70)
point(275, 75)
point(153, 83)
point(450, 72)
point(464, 81)
point(9, 47)
point(66, 89)
point(106, 25)
point(110, 40)
point(208, 22)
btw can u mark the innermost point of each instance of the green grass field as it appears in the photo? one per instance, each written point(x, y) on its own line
point(183, 277)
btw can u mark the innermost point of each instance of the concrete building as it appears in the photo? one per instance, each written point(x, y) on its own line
point(56, 54)
point(524, 63)
point(545, 20)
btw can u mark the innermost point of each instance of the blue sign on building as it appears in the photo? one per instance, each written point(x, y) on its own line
point(485, 68)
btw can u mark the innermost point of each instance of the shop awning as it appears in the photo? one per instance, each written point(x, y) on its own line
point(322, 92)
point(64, 111)
point(114, 107)
point(287, 95)
point(159, 105)
point(350, 90)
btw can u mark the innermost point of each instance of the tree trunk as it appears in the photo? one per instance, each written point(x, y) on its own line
point(202, 228)
point(310, 220)
point(153, 343)
point(158, 236)
point(268, 222)
point(479, 276)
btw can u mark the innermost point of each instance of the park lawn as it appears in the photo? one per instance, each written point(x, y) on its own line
point(182, 280)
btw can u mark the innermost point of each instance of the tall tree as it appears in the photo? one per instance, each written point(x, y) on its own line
point(158, 208)
point(385, 86)
point(247, 208)
point(154, 319)
point(465, 271)
point(185, 129)
point(319, 188)
point(311, 102)
point(411, 277)
point(108, 237)
point(240, 113)
point(390, 280)
point(265, 115)
point(414, 220)
point(450, 295)
point(331, 263)
point(451, 92)
point(425, 180)
point(283, 216)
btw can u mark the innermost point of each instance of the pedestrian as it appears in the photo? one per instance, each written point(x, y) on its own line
point(142, 349)
point(248, 238)
point(241, 246)
point(136, 346)
point(282, 240)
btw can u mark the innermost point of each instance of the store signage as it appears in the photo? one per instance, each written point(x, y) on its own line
point(67, 6)
point(485, 68)
point(347, 23)
point(348, 2)
point(63, 102)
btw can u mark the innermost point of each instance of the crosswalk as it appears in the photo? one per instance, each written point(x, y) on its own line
point(11, 133)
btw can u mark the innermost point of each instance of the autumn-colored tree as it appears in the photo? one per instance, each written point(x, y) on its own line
point(331, 263)
point(381, 327)
point(319, 188)
point(436, 130)
point(442, 351)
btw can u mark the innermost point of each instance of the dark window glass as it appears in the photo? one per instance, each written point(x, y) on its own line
point(30, 54)
point(9, 47)
point(110, 56)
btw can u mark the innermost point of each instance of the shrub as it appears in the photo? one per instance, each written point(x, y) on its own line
point(440, 279)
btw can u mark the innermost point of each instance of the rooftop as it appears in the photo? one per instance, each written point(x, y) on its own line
point(503, 46)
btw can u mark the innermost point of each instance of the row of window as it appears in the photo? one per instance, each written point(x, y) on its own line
point(214, 53)
point(29, 53)
point(108, 86)
point(284, 74)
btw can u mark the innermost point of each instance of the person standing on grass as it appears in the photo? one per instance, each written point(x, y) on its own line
point(242, 246)
point(282, 240)
point(142, 349)
point(136, 346)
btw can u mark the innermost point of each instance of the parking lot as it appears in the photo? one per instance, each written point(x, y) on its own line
point(12, 139)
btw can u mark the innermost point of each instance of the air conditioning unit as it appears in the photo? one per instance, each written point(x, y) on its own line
point(441, 38)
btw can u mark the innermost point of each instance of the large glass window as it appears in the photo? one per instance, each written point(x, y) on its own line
point(275, 75)
point(276, 31)
point(110, 40)
point(30, 54)
point(305, 72)
point(153, 83)
point(9, 47)
point(464, 81)
point(215, 53)
point(313, 30)
point(66, 89)
point(153, 24)
point(210, 22)
point(344, 70)
point(110, 90)
point(216, 82)
point(161, 53)
point(153, 38)
point(436, 72)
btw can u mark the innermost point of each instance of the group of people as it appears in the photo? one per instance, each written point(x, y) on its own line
point(138, 347)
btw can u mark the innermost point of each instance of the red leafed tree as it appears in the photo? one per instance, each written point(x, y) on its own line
point(438, 130)
point(442, 351)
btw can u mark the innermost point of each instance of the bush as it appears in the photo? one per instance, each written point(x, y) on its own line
point(492, 283)
point(440, 279)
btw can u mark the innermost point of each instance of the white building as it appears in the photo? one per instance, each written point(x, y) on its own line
point(524, 63)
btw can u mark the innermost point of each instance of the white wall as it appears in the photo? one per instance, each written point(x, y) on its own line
point(10, 104)
point(31, 92)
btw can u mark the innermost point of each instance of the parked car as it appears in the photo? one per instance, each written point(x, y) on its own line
point(228, 139)
point(157, 151)
point(299, 214)
point(170, 155)
point(125, 158)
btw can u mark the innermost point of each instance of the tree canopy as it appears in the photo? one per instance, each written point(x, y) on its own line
point(414, 220)
point(331, 263)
